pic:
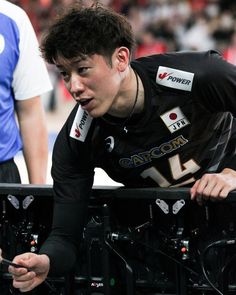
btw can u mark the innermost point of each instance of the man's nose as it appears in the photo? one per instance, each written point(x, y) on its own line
point(76, 86)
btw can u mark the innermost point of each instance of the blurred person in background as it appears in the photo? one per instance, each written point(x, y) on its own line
point(23, 79)
point(149, 44)
point(229, 52)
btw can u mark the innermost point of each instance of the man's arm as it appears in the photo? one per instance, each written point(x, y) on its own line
point(34, 135)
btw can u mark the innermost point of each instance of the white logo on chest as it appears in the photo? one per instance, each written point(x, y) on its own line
point(81, 124)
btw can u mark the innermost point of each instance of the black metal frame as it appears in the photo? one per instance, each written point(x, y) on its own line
point(106, 237)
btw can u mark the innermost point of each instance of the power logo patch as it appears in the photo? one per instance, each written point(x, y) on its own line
point(81, 124)
point(174, 78)
point(174, 119)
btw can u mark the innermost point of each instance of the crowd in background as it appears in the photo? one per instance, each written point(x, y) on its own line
point(159, 25)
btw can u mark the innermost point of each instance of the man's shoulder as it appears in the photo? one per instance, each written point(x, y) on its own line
point(197, 63)
point(177, 58)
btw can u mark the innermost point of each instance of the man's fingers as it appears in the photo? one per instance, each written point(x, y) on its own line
point(24, 277)
point(24, 282)
point(211, 186)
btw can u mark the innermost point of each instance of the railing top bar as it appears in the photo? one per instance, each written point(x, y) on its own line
point(107, 191)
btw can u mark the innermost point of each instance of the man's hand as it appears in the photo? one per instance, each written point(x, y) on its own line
point(34, 271)
point(214, 186)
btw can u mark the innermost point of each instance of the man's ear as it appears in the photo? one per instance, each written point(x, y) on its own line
point(122, 58)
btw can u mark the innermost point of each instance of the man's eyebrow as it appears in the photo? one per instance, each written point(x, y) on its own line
point(72, 63)
point(78, 59)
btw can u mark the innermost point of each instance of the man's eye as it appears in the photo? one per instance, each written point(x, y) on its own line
point(63, 74)
point(82, 70)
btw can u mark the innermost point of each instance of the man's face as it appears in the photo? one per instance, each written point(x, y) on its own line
point(93, 82)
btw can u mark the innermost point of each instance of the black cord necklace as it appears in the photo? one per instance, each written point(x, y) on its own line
point(123, 124)
point(134, 105)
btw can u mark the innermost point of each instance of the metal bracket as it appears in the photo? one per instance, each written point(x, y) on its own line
point(27, 201)
point(177, 206)
point(162, 205)
point(14, 201)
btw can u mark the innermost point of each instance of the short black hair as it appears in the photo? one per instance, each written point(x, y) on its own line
point(84, 31)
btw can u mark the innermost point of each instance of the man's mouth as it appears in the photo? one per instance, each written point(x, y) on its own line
point(84, 102)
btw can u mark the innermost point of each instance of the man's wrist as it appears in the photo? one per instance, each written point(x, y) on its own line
point(229, 171)
point(45, 260)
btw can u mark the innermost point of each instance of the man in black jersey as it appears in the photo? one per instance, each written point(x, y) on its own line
point(162, 121)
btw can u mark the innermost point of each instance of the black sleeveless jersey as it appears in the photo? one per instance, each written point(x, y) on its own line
point(187, 129)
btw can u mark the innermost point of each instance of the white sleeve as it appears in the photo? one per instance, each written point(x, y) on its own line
point(30, 77)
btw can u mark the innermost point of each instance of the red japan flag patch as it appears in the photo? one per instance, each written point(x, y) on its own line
point(174, 119)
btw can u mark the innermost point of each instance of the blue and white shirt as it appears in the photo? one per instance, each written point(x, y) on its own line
point(23, 73)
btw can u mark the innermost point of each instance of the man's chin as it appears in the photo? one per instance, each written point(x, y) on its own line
point(95, 114)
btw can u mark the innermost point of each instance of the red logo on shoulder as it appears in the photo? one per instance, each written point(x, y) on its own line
point(77, 131)
point(164, 75)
